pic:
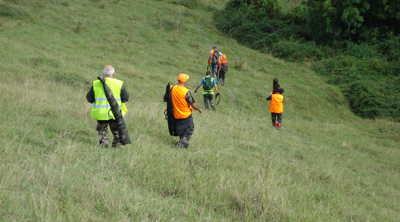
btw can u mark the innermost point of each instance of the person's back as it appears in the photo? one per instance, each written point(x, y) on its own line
point(209, 84)
point(276, 107)
point(223, 69)
point(182, 108)
point(213, 61)
point(101, 109)
point(182, 102)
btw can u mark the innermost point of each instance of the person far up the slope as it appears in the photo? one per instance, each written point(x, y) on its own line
point(213, 61)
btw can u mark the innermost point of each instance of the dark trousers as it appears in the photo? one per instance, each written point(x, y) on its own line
point(102, 126)
point(278, 116)
point(185, 129)
point(208, 97)
point(214, 71)
point(222, 77)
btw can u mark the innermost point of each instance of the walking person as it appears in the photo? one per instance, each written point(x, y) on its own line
point(101, 110)
point(183, 102)
point(223, 69)
point(213, 61)
point(208, 83)
point(276, 108)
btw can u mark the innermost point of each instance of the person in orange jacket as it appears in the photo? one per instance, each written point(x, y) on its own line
point(276, 107)
point(223, 68)
point(183, 102)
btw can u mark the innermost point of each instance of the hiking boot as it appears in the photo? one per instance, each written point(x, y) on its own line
point(181, 145)
point(104, 143)
point(116, 145)
point(274, 124)
point(278, 126)
point(213, 108)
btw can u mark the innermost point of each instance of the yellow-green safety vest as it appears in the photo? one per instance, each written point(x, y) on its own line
point(101, 109)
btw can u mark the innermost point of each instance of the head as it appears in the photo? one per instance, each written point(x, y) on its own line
point(215, 47)
point(281, 90)
point(208, 73)
point(223, 57)
point(182, 78)
point(109, 71)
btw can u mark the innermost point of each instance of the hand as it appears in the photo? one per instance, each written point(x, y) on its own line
point(200, 111)
point(195, 91)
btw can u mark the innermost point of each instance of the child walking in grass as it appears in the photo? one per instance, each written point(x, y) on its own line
point(276, 108)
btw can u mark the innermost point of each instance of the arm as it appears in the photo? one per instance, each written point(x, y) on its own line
point(216, 88)
point(198, 86)
point(269, 96)
point(90, 95)
point(190, 100)
point(196, 107)
point(124, 94)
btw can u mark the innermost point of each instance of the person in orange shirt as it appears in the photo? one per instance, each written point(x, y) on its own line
point(276, 107)
point(183, 102)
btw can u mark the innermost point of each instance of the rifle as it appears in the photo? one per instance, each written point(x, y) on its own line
point(122, 131)
point(275, 86)
point(169, 112)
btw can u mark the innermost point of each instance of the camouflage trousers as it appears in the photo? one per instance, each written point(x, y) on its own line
point(214, 71)
point(102, 128)
point(208, 97)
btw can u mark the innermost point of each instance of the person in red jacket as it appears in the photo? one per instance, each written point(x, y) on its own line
point(276, 107)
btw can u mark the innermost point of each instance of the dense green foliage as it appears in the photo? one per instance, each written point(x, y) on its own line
point(355, 43)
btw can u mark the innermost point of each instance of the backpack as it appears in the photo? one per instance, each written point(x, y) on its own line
point(224, 67)
point(215, 58)
point(208, 83)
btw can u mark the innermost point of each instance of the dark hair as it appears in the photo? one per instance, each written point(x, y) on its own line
point(208, 73)
point(281, 90)
point(214, 47)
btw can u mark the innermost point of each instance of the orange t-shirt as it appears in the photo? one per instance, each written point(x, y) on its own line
point(182, 108)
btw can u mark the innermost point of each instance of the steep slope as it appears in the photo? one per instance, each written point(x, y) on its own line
point(325, 163)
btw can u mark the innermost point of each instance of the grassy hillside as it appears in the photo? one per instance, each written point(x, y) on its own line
point(325, 164)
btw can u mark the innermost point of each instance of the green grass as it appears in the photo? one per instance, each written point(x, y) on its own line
point(325, 164)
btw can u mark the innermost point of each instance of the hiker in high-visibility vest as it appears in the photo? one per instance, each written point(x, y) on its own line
point(101, 110)
point(276, 108)
point(209, 84)
point(223, 68)
point(214, 62)
point(183, 102)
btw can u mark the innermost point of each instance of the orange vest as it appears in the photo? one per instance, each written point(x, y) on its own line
point(211, 56)
point(276, 105)
point(182, 109)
